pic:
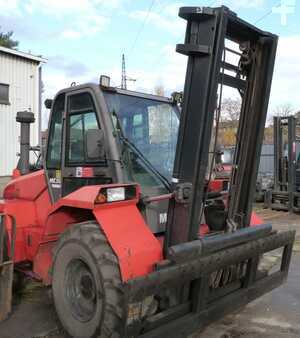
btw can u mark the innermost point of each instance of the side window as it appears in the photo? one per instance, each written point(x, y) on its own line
point(163, 124)
point(55, 134)
point(81, 118)
point(76, 151)
point(138, 127)
point(4, 93)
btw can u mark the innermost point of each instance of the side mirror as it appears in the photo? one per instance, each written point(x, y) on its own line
point(48, 103)
point(94, 144)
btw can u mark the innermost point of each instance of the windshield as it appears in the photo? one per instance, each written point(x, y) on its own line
point(151, 125)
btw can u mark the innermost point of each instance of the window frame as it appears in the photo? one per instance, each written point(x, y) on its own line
point(68, 134)
point(82, 111)
point(114, 102)
point(5, 101)
point(63, 97)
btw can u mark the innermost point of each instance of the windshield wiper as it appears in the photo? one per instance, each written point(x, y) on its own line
point(146, 162)
point(141, 156)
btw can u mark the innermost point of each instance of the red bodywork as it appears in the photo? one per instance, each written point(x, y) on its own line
point(222, 178)
point(40, 223)
point(215, 185)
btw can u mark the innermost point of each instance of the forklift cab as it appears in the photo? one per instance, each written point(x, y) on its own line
point(100, 135)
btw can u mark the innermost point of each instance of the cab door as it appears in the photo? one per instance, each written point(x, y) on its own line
point(78, 167)
point(69, 166)
point(53, 160)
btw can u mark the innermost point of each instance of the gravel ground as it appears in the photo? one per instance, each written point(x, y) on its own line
point(275, 315)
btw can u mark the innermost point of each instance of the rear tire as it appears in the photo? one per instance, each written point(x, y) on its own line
point(87, 286)
point(5, 247)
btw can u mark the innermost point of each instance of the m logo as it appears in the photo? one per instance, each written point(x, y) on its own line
point(163, 218)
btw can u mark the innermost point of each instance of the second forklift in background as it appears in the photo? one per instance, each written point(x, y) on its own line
point(285, 194)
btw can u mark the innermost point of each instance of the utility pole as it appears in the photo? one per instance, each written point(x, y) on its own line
point(124, 80)
point(124, 76)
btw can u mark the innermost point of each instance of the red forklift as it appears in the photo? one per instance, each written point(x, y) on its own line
point(114, 221)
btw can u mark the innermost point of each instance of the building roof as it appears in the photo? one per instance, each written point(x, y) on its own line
point(23, 55)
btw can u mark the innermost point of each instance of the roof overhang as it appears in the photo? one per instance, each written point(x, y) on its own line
point(23, 55)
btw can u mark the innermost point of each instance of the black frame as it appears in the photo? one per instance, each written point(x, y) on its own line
point(70, 113)
point(50, 129)
point(207, 29)
point(5, 101)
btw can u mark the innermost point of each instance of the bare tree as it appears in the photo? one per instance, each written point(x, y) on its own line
point(285, 109)
point(297, 115)
point(229, 119)
point(230, 111)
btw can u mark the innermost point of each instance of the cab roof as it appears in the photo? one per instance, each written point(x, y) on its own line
point(117, 91)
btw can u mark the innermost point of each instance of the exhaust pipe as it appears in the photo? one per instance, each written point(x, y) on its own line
point(25, 118)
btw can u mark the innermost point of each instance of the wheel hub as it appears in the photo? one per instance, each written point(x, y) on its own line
point(80, 291)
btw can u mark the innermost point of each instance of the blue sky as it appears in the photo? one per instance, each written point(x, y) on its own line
point(85, 38)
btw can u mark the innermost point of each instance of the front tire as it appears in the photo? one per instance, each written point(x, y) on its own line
point(87, 286)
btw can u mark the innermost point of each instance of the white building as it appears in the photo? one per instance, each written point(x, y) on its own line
point(20, 89)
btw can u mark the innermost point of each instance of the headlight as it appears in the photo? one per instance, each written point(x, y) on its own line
point(104, 81)
point(108, 194)
point(115, 194)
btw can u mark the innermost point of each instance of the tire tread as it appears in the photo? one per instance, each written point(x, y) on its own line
point(92, 236)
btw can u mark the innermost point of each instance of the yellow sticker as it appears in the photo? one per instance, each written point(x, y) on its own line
point(58, 174)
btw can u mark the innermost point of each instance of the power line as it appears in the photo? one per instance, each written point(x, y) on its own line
point(142, 27)
point(163, 5)
point(263, 17)
point(214, 3)
point(266, 14)
point(159, 60)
